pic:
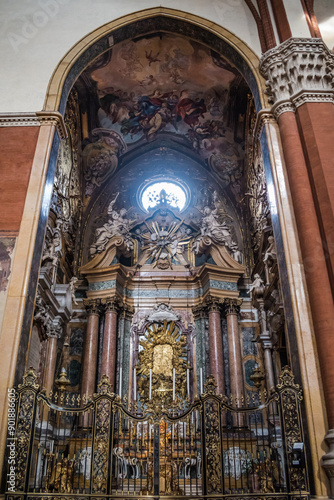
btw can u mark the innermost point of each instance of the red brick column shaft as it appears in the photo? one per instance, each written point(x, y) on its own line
point(316, 274)
point(316, 121)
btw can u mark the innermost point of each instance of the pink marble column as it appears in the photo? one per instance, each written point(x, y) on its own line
point(90, 350)
point(232, 308)
point(109, 353)
point(216, 345)
point(51, 358)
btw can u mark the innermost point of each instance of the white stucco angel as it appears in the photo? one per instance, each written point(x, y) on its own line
point(117, 225)
point(72, 286)
point(270, 253)
point(216, 228)
point(257, 283)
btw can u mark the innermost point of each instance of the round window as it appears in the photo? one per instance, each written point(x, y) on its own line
point(163, 192)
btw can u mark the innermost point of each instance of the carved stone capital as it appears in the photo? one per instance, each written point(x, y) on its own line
point(213, 304)
point(92, 305)
point(54, 331)
point(298, 64)
point(232, 306)
point(281, 107)
point(264, 116)
point(199, 311)
point(112, 304)
point(126, 311)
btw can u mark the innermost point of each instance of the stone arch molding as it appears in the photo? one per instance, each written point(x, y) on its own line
point(103, 38)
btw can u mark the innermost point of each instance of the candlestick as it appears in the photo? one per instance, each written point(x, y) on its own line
point(134, 385)
point(120, 382)
point(201, 379)
point(173, 384)
point(150, 393)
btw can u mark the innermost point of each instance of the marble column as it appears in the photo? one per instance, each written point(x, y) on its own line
point(266, 343)
point(53, 334)
point(109, 351)
point(232, 308)
point(268, 362)
point(90, 349)
point(216, 345)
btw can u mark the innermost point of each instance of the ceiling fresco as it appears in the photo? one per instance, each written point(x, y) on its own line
point(168, 84)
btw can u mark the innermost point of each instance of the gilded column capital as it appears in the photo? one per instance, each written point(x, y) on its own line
point(213, 304)
point(126, 310)
point(112, 304)
point(92, 305)
point(199, 311)
point(232, 306)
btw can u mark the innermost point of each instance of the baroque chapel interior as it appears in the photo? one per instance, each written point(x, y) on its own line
point(161, 355)
point(160, 231)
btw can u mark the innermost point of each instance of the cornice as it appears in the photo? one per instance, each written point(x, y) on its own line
point(281, 107)
point(304, 96)
point(35, 120)
point(264, 116)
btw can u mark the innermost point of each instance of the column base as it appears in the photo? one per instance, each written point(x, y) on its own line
point(328, 460)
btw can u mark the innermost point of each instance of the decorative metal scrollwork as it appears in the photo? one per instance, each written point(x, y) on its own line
point(101, 445)
point(213, 447)
point(25, 416)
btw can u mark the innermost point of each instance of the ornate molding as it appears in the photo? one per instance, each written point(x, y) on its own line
point(54, 331)
point(314, 96)
point(112, 304)
point(92, 305)
point(35, 120)
point(281, 107)
point(264, 116)
point(199, 311)
point(53, 118)
point(162, 312)
point(213, 304)
point(232, 306)
point(298, 65)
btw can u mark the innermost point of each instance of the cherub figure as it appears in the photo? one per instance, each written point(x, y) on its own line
point(117, 225)
point(72, 284)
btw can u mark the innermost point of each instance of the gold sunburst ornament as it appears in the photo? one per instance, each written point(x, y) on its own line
point(162, 350)
point(165, 244)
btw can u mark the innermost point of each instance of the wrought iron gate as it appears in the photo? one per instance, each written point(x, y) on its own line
point(214, 447)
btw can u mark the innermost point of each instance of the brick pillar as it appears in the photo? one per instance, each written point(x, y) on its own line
point(317, 278)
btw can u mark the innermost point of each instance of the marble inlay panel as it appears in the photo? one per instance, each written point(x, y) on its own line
point(175, 294)
point(248, 346)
